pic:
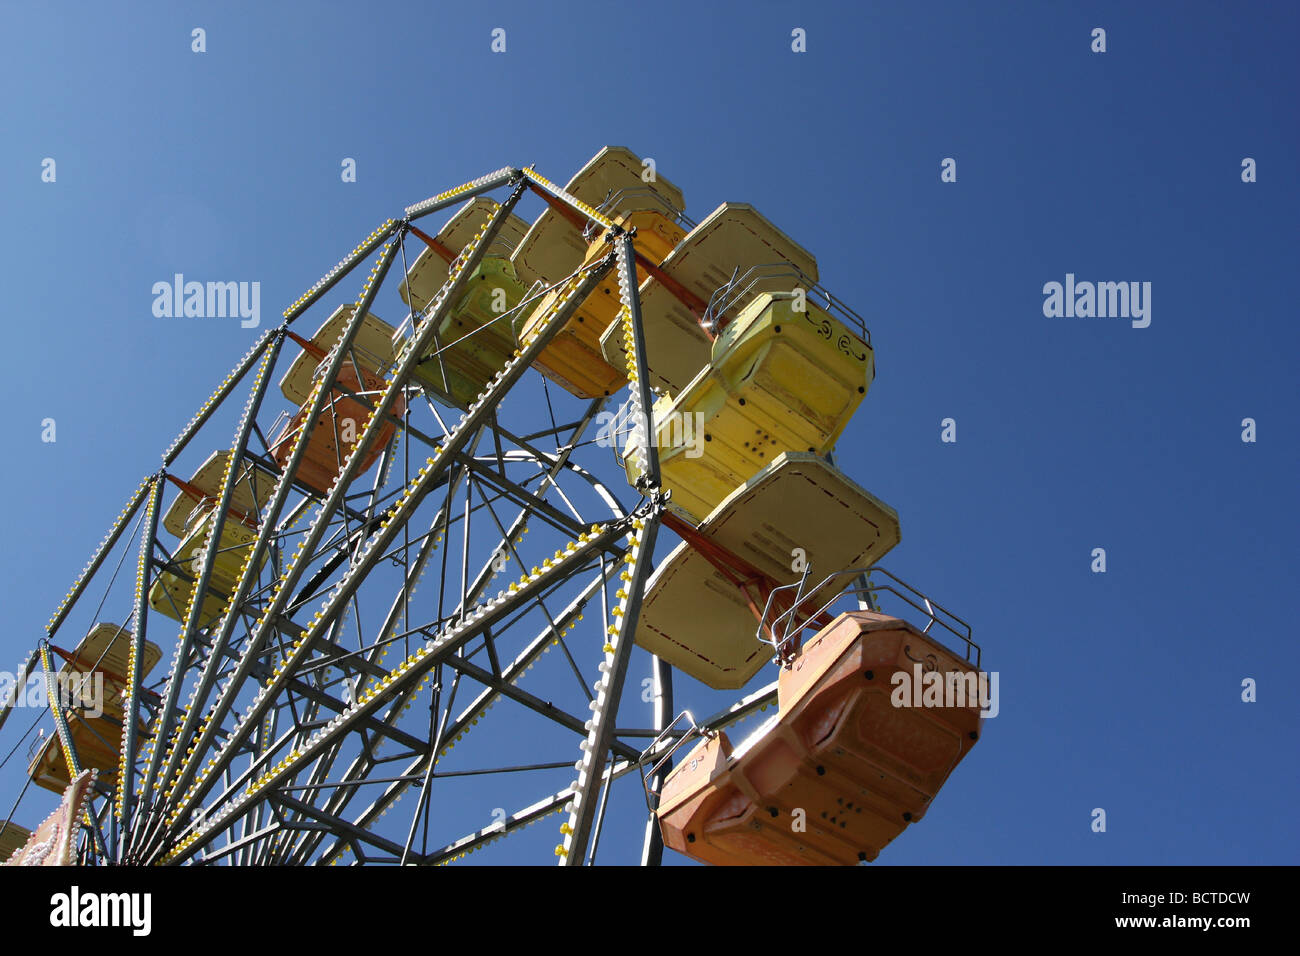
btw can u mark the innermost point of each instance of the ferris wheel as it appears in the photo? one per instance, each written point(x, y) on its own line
point(380, 601)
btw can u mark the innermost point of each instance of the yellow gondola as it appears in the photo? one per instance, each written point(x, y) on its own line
point(99, 663)
point(797, 512)
point(429, 272)
point(731, 241)
point(172, 591)
point(554, 247)
point(785, 375)
point(190, 519)
point(476, 336)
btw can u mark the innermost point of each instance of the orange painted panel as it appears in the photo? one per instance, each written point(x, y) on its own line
point(850, 762)
point(320, 464)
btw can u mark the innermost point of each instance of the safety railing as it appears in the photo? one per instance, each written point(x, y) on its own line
point(786, 626)
point(500, 247)
point(370, 361)
point(692, 732)
point(37, 745)
point(281, 419)
point(614, 202)
point(741, 284)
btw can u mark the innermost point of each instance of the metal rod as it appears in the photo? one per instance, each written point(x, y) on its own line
point(214, 401)
point(96, 560)
point(208, 677)
point(652, 851)
point(126, 767)
point(582, 816)
point(469, 190)
point(414, 348)
point(289, 579)
point(738, 711)
point(413, 670)
point(489, 695)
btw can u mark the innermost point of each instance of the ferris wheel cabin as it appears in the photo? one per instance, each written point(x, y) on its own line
point(343, 417)
point(478, 335)
point(557, 244)
point(701, 606)
point(92, 682)
point(841, 770)
point(732, 240)
point(191, 518)
point(785, 375)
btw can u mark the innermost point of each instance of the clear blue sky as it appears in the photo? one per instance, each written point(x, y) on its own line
point(1119, 690)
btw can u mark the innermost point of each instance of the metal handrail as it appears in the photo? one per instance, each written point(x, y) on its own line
point(740, 285)
point(37, 745)
point(199, 513)
point(379, 363)
point(282, 419)
point(934, 612)
point(614, 200)
point(499, 240)
point(682, 737)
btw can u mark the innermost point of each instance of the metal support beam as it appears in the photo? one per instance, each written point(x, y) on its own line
point(413, 350)
point(652, 850)
point(478, 707)
point(97, 559)
point(126, 766)
point(409, 674)
point(214, 401)
point(548, 805)
point(234, 469)
point(618, 650)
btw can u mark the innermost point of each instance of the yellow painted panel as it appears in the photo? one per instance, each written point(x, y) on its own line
point(780, 380)
point(699, 622)
point(251, 491)
point(171, 591)
point(373, 347)
point(553, 248)
point(574, 359)
point(107, 646)
point(731, 240)
point(474, 341)
point(430, 270)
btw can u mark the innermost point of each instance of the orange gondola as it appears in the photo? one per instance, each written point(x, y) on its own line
point(843, 769)
point(343, 417)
